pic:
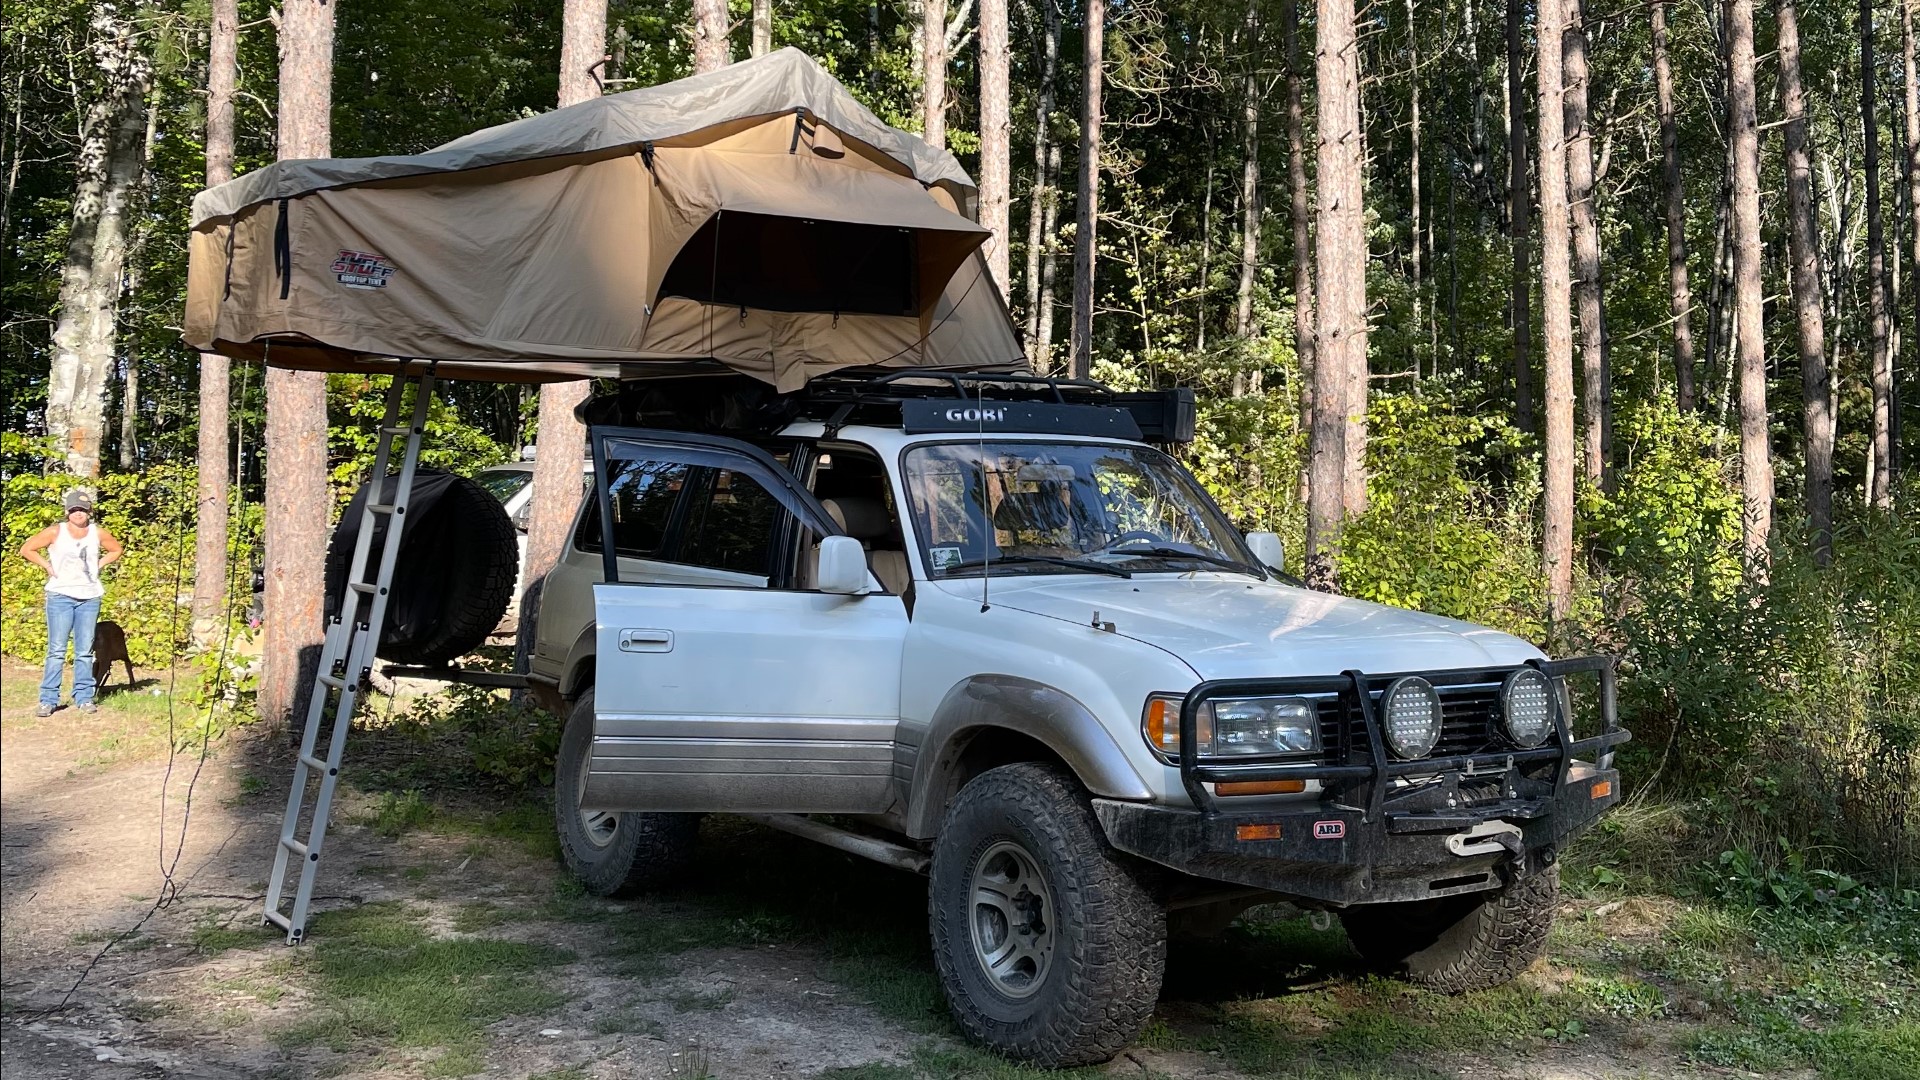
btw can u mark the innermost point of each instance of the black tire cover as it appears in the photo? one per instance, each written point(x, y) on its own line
point(453, 576)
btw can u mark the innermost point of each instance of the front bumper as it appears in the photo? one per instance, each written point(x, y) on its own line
point(1385, 830)
point(1335, 855)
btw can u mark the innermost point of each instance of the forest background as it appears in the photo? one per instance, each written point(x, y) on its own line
point(1736, 503)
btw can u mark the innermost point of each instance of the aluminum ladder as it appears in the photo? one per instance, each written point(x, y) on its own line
point(353, 636)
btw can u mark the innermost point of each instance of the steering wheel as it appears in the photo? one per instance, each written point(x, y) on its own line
point(1129, 535)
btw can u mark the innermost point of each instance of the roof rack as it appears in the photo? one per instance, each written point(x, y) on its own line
point(857, 396)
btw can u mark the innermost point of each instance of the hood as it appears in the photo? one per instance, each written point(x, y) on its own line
point(1231, 627)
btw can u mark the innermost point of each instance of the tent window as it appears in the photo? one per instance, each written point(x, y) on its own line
point(792, 264)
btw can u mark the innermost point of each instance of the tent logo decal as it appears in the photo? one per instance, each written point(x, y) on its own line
point(362, 270)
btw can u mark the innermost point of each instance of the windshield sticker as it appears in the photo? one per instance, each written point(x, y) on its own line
point(363, 270)
point(945, 558)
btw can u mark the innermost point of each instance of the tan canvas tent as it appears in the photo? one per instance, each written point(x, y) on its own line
point(756, 218)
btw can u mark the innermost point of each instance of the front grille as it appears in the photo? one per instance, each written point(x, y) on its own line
point(1469, 724)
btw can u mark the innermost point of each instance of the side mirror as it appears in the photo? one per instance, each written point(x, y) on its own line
point(1266, 547)
point(842, 566)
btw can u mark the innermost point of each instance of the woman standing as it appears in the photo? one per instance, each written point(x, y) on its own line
point(72, 553)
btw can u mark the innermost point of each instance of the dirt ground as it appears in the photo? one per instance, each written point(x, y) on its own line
point(732, 978)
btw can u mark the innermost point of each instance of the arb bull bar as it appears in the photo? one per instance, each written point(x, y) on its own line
point(1469, 822)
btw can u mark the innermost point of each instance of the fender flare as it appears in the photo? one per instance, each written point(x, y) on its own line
point(1043, 713)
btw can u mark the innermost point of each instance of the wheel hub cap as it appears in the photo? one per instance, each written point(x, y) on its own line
point(1012, 923)
point(598, 825)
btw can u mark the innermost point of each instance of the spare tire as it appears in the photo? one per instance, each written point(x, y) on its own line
point(454, 574)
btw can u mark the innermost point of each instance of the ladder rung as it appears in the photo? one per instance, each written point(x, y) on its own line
point(296, 847)
point(279, 920)
point(381, 508)
point(329, 680)
point(315, 763)
point(367, 587)
point(401, 430)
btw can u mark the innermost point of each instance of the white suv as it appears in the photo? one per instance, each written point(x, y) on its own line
point(1002, 639)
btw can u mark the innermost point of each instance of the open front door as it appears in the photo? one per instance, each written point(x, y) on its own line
point(739, 688)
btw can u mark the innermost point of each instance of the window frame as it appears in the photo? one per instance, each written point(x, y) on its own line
point(800, 510)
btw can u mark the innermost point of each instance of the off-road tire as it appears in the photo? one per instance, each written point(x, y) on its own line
point(1110, 942)
point(646, 850)
point(1459, 944)
point(462, 554)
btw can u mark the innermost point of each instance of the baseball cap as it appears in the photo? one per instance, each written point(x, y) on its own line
point(78, 499)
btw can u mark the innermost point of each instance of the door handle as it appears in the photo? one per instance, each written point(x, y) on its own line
point(646, 641)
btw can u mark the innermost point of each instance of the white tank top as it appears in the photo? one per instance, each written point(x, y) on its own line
point(76, 564)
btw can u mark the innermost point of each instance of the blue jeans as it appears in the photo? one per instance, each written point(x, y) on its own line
point(67, 617)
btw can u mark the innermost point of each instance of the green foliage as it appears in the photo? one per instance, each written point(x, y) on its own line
point(1435, 536)
point(451, 442)
point(148, 590)
point(480, 734)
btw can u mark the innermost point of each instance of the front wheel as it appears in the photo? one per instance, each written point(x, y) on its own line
point(612, 853)
point(1049, 948)
point(1459, 944)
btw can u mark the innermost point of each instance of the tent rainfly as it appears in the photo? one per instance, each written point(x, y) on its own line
point(755, 219)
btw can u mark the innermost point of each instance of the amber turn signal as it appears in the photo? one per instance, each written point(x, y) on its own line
point(1602, 788)
point(1253, 787)
point(1257, 832)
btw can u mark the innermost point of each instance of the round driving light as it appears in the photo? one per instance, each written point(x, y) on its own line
point(1410, 713)
point(1526, 707)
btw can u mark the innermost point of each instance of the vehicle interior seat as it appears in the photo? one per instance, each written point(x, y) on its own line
point(866, 520)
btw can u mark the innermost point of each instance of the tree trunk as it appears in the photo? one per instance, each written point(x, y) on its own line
point(1913, 209)
point(136, 263)
point(1756, 466)
point(933, 75)
point(107, 174)
point(1879, 491)
point(298, 503)
point(1680, 298)
point(1087, 209)
point(1206, 250)
point(1556, 314)
point(1298, 207)
point(1340, 348)
point(1519, 230)
point(711, 51)
point(1808, 302)
point(762, 27)
point(1049, 260)
point(996, 134)
point(1413, 179)
point(1041, 202)
point(561, 440)
point(1596, 383)
point(210, 519)
point(1249, 183)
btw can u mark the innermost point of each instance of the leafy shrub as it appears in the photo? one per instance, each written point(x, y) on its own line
point(514, 746)
point(148, 591)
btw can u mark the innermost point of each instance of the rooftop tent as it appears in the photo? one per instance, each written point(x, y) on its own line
point(756, 219)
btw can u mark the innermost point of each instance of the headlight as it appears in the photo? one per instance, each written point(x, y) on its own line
point(1527, 707)
point(1410, 713)
point(1235, 727)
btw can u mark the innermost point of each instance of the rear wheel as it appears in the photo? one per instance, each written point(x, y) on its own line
point(612, 853)
point(1459, 944)
point(1049, 947)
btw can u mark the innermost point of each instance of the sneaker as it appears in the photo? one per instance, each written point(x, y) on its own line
point(43, 710)
point(89, 708)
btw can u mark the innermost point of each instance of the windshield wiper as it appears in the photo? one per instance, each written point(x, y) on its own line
point(1158, 552)
point(1050, 560)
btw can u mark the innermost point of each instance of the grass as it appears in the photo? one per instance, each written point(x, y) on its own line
point(379, 977)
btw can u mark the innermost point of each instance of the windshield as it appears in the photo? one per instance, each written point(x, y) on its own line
point(1034, 507)
point(503, 484)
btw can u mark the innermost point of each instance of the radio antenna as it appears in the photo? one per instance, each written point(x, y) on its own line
point(986, 566)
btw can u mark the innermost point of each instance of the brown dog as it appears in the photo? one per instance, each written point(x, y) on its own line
point(110, 644)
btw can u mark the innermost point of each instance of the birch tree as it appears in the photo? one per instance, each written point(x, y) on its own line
point(106, 175)
point(1043, 200)
point(1596, 384)
point(1519, 229)
point(1879, 305)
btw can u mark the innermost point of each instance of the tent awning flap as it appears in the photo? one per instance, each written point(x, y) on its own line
point(758, 217)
